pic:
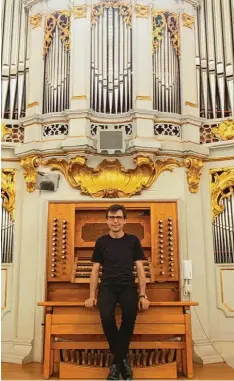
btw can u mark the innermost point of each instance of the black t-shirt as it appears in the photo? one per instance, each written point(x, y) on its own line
point(117, 257)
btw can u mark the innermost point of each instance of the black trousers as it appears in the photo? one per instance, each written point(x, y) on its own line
point(127, 297)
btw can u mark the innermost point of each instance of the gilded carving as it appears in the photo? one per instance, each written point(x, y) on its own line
point(143, 98)
point(80, 11)
point(8, 190)
point(29, 164)
point(35, 20)
point(125, 10)
point(194, 167)
point(60, 19)
point(225, 130)
point(222, 186)
point(188, 20)
point(33, 104)
point(142, 11)
point(190, 104)
point(110, 179)
point(5, 131)
point(160, 20)
point(79, 97)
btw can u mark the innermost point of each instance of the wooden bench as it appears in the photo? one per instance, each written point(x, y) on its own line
point(165, 326)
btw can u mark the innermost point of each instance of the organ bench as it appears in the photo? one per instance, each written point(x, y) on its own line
point(161, 345)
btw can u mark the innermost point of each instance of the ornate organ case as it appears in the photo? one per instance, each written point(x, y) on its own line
point(74, 342)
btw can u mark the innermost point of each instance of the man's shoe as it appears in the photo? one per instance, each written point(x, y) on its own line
point(114, 372)
point(125, 369)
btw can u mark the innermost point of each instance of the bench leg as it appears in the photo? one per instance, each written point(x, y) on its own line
point(188, 346)
point(47, 349)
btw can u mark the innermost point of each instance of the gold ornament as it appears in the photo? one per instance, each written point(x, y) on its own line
point(225, 130)
point(60, 19)
point(143, 98)
point(79, 97)
point(30, 174)
point(160, 20)
point(5, 131)
point(33, 104)
point(142, 11)
point(125, 10)
point(194, 167)
point(35, 20)
point(188, 20)
point(190, 104)
point(8, 190)
point(110, 179)
point(222, 186)
point(80, 12)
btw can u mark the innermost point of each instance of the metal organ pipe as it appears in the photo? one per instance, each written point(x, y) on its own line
point(166, 89)
point(217, 82)
point(111, 60)
point(57, 63)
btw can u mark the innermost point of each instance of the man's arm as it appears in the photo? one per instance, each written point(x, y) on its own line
point(94, 279)
point(143, 303)
point(92, 301)
point(141, 277)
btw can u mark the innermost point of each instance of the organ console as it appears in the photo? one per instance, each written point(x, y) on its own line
point(74, 342)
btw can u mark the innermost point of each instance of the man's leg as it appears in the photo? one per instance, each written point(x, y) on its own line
point(107, 300)
point(128, 300)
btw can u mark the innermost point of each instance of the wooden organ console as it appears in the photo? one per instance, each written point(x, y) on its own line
point(75, 346)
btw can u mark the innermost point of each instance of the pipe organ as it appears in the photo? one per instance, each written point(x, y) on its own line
point(215, 58)
point(74, 341)
point(57, 62)
point(112, 49)
point(166, 68)
point(111, 58)
point(15, 58)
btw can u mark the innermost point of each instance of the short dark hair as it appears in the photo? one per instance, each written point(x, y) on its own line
point(115, 208)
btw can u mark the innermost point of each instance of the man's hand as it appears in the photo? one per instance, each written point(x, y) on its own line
point(143, 304)
point(91, 302)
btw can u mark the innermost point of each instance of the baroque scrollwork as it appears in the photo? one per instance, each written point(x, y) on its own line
point(222, 186)
point(225, 130)
point(35, 20)
point(188, 20)
point(61, 19)
point(80, 11)
point(142, 11)
point(160, 20)
point(110, 179)
point(125, 10)
point(5, 131)
point(8, 190)
point(194, 167)
point(29, 164)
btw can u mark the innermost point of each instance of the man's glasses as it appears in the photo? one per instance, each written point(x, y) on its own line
point(112, 218)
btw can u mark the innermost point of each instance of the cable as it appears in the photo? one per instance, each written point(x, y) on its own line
point(206, 334)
